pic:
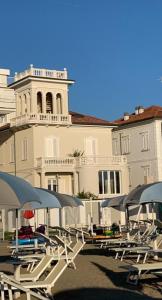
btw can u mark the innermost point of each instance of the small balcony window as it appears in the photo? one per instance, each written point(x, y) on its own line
point(49, 104)
point(59, 103)
point(39, 102)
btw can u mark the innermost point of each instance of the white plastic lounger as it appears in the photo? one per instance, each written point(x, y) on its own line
point(136, 271)
point(50, 280)
point(129, 250)
point(38, 270)
point(72, 255)
point(10, 286)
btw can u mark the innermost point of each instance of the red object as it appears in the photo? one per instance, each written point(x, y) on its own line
point(28, 214)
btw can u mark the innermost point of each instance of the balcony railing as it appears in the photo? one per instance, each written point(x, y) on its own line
point(41, 119)
point(6, 118)
point(41, 73)
point(54, 161)
point(81, 161)
point(101, 160)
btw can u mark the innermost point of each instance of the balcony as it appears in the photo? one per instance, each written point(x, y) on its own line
point(58, 164)
point(101, 161)
point(46, 119)
point(5, 119)
point(71, 163)
point(41, 73)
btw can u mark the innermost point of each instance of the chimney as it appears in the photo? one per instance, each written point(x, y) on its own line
point(126, 116)
point(3, 77)
point(136, 110)
point(140, 109)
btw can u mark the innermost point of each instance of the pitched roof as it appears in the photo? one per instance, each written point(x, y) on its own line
point(148, 113)
point(81, 119)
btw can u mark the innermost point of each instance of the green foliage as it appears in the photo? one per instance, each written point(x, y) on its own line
point(86, 195)
point(8, 236)
point(76, 153)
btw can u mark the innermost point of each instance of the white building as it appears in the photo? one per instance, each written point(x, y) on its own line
point(54, 148)
point(139, 138)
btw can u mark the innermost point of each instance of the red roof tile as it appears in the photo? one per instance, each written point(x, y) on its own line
point(81, 119)
point(149, 113)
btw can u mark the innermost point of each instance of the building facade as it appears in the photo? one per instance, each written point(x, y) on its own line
point(139, 137)
point(51, 147)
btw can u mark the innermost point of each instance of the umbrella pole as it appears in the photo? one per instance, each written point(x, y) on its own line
point(47, 215)
point(153, 213)
point(16, 230)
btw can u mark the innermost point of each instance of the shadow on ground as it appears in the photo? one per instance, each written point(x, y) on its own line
point(99, 294)
point(94, 251)
point(117, 278)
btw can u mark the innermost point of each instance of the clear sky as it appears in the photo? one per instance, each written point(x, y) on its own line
point(112, 48)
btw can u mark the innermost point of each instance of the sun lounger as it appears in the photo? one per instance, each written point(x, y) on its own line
point(134, 239)
point(136, 271)
point(50, 280)
point(57, 270)
point(10, 286)
point(42, 265)
point(139, 250)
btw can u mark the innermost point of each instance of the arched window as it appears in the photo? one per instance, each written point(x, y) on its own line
point(49, 104)
point(59, 103)
point(39, 102)
point(20, 104)
point(25, 104)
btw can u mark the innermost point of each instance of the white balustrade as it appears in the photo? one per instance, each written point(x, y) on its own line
point(80, 161)
point(48, 119)
point(53, 161)
point(101, 160)
point(41, 73)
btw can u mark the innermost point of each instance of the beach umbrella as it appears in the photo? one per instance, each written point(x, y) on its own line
point(113, 202)
point(64, 199)
point(116, 202)
point(16, 193)
point(48, 200)
point(144, 194)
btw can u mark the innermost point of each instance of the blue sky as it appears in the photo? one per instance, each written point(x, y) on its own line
point(112, 48)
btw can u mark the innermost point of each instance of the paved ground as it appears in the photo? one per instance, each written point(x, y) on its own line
point(97, 277)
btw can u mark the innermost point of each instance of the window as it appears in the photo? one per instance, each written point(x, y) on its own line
point(59, 103)
point(146, 174)
point(24, 149)
point(125, 144)
point(39, 102)
point(51, 147)
point(144, 141)
point(49, 104)
point(109, 182)
point(90, 149)
point(25, 104)
point(53, 184)
point(12, 154)
point(115, 146)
